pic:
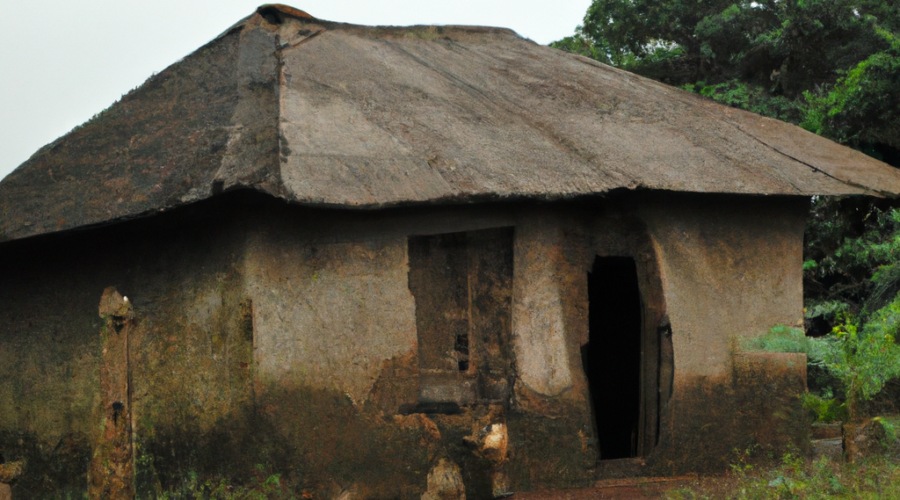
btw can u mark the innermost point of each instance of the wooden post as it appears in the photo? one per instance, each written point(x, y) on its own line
point(111, 475)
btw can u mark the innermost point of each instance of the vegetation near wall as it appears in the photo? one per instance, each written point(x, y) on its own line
point(795, 478)
point(832, 67)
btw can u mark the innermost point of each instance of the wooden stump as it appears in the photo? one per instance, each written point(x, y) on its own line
point(111, 475)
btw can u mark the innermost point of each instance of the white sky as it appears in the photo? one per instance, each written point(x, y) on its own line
point(62, 61)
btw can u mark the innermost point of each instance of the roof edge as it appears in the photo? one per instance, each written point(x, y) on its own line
point(445, 202)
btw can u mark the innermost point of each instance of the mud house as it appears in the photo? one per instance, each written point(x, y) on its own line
point(355, 254)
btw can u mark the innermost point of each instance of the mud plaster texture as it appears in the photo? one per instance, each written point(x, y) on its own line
point(267, 333)
point(729, 271)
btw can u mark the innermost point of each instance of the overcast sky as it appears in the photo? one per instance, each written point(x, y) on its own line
point(61, 62)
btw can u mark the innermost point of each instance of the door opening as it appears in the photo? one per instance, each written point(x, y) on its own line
point(612, 356)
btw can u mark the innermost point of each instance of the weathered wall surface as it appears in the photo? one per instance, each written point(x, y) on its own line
point(49, 363)
point(335, 345)
point(188, 359)
point(543, 356)
point(281, 335)
point(731, 269)
point(329, 313)
point(550, 423)
point(712, 271)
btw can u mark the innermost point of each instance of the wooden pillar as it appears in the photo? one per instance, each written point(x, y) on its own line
point(111, 475)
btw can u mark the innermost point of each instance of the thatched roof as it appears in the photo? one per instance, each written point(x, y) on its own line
point(329, 114)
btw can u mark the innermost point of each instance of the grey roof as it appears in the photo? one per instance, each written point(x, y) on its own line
point(329, 114)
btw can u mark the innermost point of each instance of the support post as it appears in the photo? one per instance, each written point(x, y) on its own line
point(111, 475)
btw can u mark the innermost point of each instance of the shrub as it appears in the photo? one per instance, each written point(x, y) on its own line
point(863, 358)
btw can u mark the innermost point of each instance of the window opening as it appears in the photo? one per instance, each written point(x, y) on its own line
point(461, 346)
point(612, 356)
point(439, 281)
point(462, 285)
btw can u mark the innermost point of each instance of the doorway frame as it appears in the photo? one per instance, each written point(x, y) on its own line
point(657, 363)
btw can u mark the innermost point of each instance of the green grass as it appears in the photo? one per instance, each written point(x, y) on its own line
point(797, 478)
point(265, 486)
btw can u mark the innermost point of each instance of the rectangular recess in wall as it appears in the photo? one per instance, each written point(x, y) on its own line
point(462, 284)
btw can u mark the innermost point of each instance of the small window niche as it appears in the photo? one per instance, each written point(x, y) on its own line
point(462, 284)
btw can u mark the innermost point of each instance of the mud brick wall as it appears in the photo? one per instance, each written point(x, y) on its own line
point(273, 334)
point(731, 269)
point(189, 360)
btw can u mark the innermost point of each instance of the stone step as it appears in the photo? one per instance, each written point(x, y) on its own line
point(831, 448)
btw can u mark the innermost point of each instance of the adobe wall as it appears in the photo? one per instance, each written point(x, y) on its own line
point(280, 335)
point(705, 271)
point(190, 364)
point(49, 362)
point(335, 344)
point(712, 271)
point(730, 269)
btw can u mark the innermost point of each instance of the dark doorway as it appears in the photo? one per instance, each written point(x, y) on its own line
point(612, 356)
